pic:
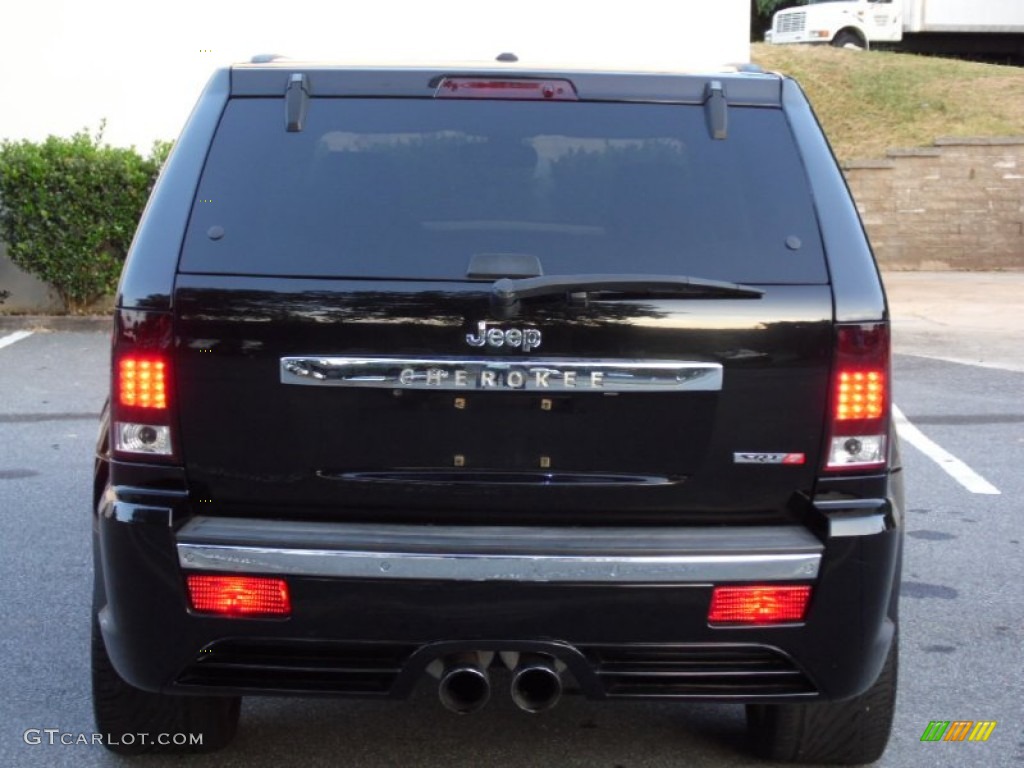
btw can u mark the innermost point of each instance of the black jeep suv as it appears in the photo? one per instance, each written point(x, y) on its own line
point(426, 371)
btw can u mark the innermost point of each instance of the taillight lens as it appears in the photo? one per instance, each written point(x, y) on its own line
point(239, 596)
point(142, 397)
point(860, 398)
point(860, 395)
point(142, 381)
point(758, 604)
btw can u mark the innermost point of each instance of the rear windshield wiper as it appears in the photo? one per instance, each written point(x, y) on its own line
point(507, 293)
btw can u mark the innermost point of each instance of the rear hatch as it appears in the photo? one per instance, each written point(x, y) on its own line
point(502, 310)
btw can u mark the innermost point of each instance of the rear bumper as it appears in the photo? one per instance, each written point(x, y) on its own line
point(663, 556)
point(624, 609)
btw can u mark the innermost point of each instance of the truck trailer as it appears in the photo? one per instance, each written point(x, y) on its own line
point(990, 27)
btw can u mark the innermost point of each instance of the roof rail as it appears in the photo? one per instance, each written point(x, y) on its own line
point(266, 58)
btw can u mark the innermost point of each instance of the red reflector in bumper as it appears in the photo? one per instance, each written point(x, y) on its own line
point(758, 605)
point(243, 596)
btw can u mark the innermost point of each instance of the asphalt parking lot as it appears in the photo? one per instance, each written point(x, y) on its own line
point(959, 373)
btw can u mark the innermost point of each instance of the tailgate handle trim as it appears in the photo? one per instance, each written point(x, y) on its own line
point(481, 374)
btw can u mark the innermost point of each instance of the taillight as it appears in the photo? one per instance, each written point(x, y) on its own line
point(860, 397)
point(238, 596)
point(142, 381)
point(758, 604)
point(141, 394)
point(505, 88)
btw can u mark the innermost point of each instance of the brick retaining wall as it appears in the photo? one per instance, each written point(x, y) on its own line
point(956, 205)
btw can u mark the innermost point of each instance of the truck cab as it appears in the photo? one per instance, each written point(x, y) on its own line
point(857, 23)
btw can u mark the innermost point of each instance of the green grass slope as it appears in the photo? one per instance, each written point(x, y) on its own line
point(871, 101)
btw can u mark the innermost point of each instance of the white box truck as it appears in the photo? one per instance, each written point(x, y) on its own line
point(932, 26)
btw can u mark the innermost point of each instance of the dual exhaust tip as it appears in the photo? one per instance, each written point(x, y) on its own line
point(465, 686)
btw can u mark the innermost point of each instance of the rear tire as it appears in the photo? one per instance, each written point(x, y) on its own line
point(123, 712)
point(851, 732)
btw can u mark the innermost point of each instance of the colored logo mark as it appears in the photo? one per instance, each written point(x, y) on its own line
point(958, 730)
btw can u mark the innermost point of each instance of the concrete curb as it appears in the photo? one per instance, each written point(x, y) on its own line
point(79, 323)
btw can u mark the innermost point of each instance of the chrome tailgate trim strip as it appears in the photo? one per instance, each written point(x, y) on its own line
point(529, 375)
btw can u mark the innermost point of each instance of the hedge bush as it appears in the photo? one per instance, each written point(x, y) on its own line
point(69, 207)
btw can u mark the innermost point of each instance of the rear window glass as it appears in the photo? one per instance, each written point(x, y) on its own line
point(414, 188)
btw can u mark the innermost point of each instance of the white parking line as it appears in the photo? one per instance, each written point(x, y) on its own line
point(955, 468)
point(6, 341)
point(1001, 365)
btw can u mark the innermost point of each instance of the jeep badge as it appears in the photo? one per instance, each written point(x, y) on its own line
point(526, 338)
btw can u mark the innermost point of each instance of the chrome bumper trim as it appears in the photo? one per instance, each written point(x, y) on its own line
point(861, 517)
point(467, 554)
point(457, 374)
point(868, 525)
